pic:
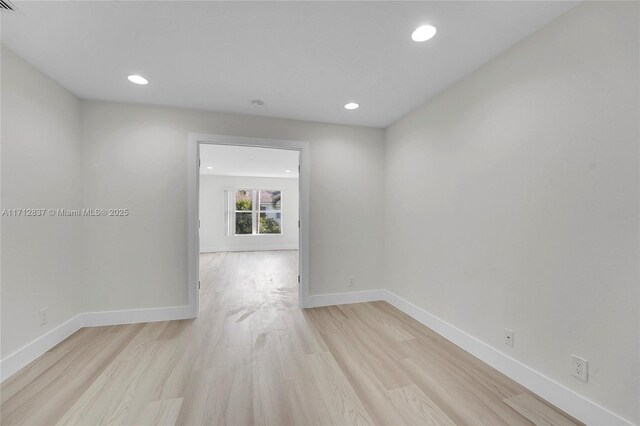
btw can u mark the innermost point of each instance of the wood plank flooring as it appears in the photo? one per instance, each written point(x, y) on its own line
point(253, 357)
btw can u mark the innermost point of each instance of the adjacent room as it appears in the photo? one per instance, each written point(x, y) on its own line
point(248, 230)
point(320, 213)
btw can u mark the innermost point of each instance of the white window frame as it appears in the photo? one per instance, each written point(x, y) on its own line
point(255, 212)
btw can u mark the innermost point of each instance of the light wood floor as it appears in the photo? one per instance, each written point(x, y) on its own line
point(253, 357)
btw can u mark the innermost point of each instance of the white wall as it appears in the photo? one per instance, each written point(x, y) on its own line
point(135, 157)
point(40, 169)
point(213, 226)
point(63, 153)
point(512, 201)
point(521, 180)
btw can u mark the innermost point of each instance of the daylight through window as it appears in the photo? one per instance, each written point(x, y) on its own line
point(258, 212)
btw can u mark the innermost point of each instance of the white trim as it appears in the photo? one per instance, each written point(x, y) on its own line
point(255, 211)
point(193, 179)
point(273, 247)
point(36, 348)
point(564, 398)
point(318, 300)
point(567, 400)
point(31, 351)
point(249, 175)
point(193, 223)
point(133, 316)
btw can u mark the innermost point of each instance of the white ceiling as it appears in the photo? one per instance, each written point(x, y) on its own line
point(227, 160)
point(305, 60)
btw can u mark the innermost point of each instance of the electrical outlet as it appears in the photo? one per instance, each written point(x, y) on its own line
point(508, 337)
point(43, 316)
point(579, 367)
point(352, 282)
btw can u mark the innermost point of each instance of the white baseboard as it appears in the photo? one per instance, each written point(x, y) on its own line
point(133, 316)
point(271, 247)
point(564, 398)
point(332, 299)
point(29, 352)
point(574, 404)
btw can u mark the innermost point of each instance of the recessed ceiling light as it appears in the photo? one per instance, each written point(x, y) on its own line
point(351, 105)
point(287, 171)
point(137, 79)
point(209, 167)
point(424, 33)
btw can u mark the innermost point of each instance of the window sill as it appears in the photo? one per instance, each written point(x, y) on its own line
point(257, 235)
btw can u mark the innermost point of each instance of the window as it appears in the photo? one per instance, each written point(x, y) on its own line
point(258, 212)
point(244, 212)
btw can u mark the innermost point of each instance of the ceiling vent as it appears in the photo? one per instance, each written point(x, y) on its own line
point(6, 5)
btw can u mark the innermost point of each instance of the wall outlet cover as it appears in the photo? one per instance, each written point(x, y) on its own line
point(43, 316)
point(509, 336)
point(579, 367)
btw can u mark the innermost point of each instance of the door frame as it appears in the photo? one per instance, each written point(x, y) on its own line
point(193, 206)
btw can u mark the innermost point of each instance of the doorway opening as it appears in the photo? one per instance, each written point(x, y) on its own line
point(248, 222)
